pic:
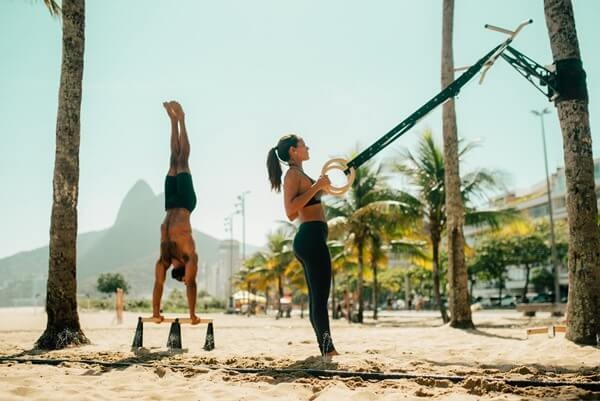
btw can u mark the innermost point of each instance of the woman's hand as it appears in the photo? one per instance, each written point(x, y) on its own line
point(322, 183)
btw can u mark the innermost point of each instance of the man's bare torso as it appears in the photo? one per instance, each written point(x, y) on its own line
point(176, 242)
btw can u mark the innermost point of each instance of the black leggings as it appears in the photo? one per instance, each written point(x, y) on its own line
point(310, 247)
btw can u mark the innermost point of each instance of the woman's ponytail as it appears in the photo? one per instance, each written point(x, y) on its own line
point(277, 153)
point(274, 169)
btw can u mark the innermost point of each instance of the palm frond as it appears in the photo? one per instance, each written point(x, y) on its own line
point(53, 7)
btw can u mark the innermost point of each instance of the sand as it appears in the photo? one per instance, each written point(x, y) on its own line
point(399, 342)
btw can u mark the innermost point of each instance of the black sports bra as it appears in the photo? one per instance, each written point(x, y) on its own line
point(314, 200)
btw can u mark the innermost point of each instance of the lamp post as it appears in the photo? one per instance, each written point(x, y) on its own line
point(241, 208)
point(229, 229)
point(553, 256)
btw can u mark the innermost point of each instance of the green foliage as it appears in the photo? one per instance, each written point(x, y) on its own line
point(528, 250)
point(492, 258)
point(109, 282)
point(542, 280)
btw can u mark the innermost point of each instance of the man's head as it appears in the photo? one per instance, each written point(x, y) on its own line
point(178, 272)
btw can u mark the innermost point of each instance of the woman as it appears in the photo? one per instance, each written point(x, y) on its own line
point(302, 199)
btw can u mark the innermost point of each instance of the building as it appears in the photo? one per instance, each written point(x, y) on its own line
point(533, 202)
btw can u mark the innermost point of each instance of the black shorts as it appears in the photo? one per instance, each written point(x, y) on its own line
point(179, 192)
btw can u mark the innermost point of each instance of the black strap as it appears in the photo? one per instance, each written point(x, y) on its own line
point(450, 91)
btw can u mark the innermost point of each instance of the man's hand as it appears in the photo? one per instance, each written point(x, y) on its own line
point(195, 320)
point(158, 319)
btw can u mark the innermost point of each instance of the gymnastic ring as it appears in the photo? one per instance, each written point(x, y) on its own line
point(339, 164)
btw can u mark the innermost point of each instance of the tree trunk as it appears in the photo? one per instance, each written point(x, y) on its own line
point(583, 309)
point(267, 300)
point(280, 291)
point(524, 296)
point(333, 304)
point(458, 294)
point(375, 289)
point(435, 242)
point(62, 328)
point(360, 282)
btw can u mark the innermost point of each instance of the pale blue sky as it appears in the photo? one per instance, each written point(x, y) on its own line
point(338, 72)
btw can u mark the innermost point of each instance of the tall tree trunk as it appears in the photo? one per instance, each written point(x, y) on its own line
point(375, 289)
point(347, 300)
point(458, 294)
point(360, 246)
point(583, 309)
point(334, 314)
point(500, 286)
point(62, 328)
point(267, 300)
point(435, 244)
point(524, 295)
point(280, 292)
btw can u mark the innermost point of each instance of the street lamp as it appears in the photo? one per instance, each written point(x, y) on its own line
point(229, 229)
point(555, 266)
point(241, 208)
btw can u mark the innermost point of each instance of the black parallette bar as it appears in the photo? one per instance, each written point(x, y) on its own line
point(450, 91)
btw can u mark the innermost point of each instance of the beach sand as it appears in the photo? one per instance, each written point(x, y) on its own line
point(399, 342)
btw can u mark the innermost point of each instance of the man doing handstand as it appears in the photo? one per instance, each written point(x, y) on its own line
point(177, 247)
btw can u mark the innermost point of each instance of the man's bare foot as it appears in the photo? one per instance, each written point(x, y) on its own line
point(170, 111)
point(177, 109)
point(195, 319)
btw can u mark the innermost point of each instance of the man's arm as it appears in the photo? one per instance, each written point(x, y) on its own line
point(160, 273)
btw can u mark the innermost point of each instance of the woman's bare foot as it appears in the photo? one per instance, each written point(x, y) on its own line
point(329, 356)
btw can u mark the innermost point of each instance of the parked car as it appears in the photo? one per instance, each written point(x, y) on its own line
point(540, 298)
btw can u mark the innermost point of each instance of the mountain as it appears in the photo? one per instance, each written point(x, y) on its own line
point(130, 246)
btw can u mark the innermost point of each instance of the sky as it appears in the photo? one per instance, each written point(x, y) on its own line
point(340, 73)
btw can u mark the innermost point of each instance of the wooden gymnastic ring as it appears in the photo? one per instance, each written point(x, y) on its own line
point(338, 164)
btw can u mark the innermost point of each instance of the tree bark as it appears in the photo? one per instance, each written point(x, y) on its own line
point(458, 293)
point(280, 292)
point(375, 289)
point(583, 309)
point(360, 246)
point(62, 328)
point(435, 242)
point(524, 296)
point(334, 314)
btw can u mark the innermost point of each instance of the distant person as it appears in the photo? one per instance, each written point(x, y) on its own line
point(177, 247)
point(302, 199)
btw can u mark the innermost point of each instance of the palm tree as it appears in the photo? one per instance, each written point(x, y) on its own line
point(338, 260)
point(279, 256)
point(583, 307)
point(426, 173)
point(353, 214)
point(63, 328)
point(254, 276)
point(458, 299)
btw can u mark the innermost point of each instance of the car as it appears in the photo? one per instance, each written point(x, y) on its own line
point(541, 298)
point(508, 301)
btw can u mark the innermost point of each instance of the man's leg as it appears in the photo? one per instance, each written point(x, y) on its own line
point(184, 143)
point(175, 146)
